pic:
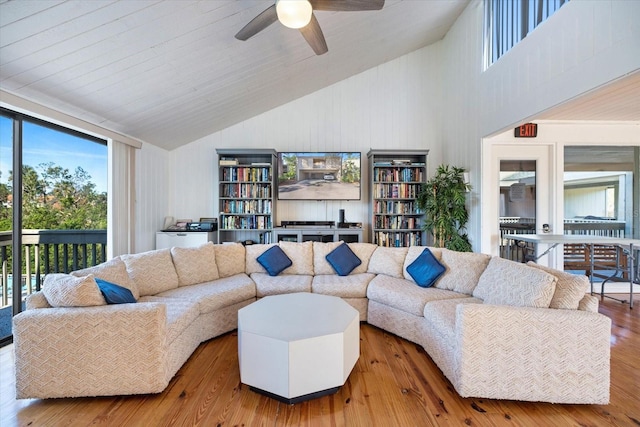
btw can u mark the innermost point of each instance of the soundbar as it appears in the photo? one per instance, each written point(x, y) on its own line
point(286, 224)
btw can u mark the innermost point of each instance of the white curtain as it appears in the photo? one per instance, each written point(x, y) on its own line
point(121, 193)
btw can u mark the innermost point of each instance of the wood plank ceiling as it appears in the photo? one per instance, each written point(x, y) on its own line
point(170, 71)
point(616, 101)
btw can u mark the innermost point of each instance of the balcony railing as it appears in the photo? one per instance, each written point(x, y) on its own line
point(49, 251)
point(590, 227)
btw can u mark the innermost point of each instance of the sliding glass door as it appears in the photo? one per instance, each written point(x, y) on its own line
point(53, 206)
point(601, 198)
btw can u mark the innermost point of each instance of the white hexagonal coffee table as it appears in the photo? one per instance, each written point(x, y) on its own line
point(296, 347)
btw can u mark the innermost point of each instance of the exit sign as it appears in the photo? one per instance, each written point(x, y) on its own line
point(527, 130)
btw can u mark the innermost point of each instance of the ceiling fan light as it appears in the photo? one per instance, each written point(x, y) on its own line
point(294, 13)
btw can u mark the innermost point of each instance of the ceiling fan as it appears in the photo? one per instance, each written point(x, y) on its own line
point(299, 14)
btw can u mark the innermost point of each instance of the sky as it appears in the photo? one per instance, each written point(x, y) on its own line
point(44, 145)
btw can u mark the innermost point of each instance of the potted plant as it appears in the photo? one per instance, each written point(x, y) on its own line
point(443, 199)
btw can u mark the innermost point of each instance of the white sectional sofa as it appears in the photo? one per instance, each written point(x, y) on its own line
point(496, 328)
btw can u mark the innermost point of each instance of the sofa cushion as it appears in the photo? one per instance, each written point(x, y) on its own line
point(343, 260)
point(180, 314)
point(282, 284)
point(404, 295)
point(221, 293)
point(252, 252)
point(114, 294)
point(195, 264)
point(387, 261)
point(114, 271)
point(364, 251)
point(570, 288)
point(511, 283)
point(153, 271)
point(36, 300)
point(301, 256)
point(441, 315)
point(65, 290)
point(230, 259)
point(588, 303)
point(351, 286)
point(321, 249)
point(463, 270)
point(425, 269)
point(274, 260)
point(320, 252)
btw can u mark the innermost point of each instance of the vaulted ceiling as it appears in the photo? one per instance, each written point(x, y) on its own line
point(169, 72)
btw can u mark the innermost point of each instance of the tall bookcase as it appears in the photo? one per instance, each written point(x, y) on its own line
point(396, 178)
point(247, 191)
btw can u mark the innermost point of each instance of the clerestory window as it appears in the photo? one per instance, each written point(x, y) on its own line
point(506, 22)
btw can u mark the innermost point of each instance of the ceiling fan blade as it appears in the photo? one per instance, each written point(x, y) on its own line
point(259, 23)
point(347, 5)
point(312, 33)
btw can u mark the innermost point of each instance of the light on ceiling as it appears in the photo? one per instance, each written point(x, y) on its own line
point(294, 13)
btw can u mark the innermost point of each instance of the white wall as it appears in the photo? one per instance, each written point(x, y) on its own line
point(462, 105)
point(579, 202)
point(393, 106)
point(436, 98)
point(584, 45)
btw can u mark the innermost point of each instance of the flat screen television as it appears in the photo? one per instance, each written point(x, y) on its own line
point(319, 176)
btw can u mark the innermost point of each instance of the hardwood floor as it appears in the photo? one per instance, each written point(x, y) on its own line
point(394, 383)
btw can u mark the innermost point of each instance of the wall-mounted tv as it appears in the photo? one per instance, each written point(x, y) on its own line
point(319, 176)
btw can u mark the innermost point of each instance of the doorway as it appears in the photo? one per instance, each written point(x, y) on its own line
point(520, 195)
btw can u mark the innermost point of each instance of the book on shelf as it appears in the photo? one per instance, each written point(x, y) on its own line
point(228, 161)
point(260, 164)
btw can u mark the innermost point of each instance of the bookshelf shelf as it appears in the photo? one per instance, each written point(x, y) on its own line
point(397, 176)
point(246, 198)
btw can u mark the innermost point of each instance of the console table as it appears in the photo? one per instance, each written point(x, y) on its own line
point(631, 248)
point(184, 239)
point(317, 234)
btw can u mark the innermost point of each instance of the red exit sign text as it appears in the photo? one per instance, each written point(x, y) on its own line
point(527, 130)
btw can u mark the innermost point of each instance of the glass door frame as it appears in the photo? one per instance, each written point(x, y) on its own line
point(546, 192)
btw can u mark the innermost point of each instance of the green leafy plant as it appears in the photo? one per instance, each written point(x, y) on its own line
point(443, 199)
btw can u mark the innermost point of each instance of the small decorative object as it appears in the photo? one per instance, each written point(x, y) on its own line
point(443, 199)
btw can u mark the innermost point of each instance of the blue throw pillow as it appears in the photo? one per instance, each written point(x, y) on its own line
point(426, 269)
point(274, 260)
point(114, 294)
point(343, 260)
